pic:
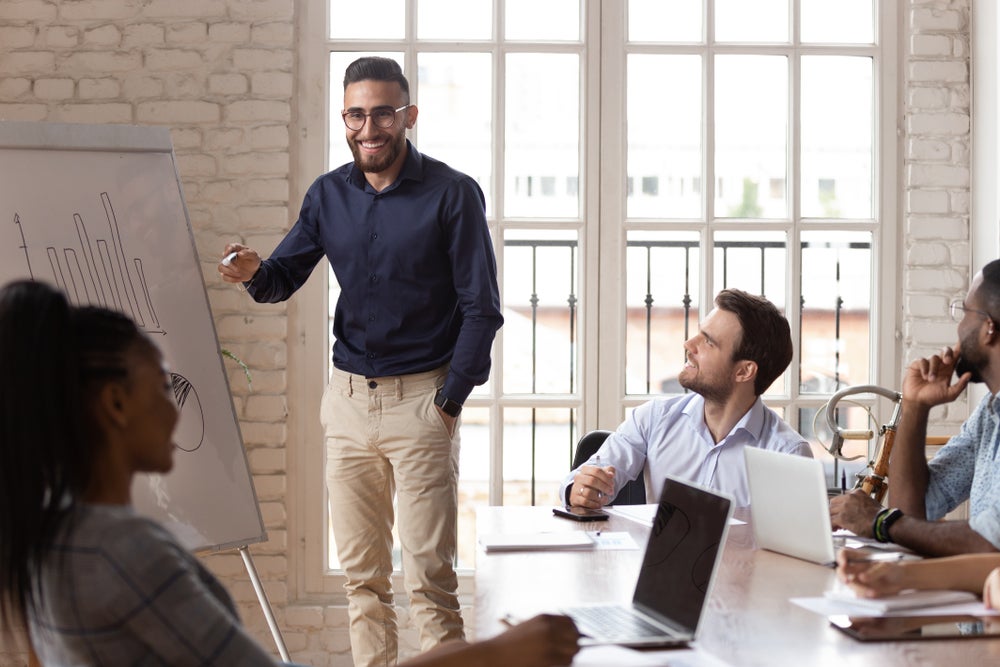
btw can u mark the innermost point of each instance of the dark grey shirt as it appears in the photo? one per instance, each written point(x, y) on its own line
point(118, 589)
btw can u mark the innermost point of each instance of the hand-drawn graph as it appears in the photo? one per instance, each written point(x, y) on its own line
point(98, 211)
point(99, 272)
point(104, 276)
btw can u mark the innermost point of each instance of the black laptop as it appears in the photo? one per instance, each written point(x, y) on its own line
point(678, 569)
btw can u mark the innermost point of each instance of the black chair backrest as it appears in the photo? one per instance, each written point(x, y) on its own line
point(633, 493)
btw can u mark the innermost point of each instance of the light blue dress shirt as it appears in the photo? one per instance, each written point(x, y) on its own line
point(968, 468)
point(668, 436)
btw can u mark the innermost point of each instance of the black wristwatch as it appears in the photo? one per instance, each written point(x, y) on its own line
point(450, 407)
point(883, 520)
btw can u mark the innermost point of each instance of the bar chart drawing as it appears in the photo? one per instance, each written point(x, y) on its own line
point(98, 270)
point(98, 212)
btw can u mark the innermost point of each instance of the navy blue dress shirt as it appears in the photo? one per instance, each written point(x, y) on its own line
point(415, 265)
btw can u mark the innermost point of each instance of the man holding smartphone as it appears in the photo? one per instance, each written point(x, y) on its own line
point(740, 349)
point(967, 468)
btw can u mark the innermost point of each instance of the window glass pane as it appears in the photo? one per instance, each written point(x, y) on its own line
point(473, 479)
point(836, 310)
point(813, 427)
point(751, 136)
point(661, 300)
point(537, 453)
point(339, 153)
point(754, 262)
point(542, 135)
point(551, 20)
point(839, 21)
point(439, 19)
point(664, 137)
point(457, 91)
point(540, 312)
point(751, 20)
point(665, 20)
point(352, 20)
point(837, 137)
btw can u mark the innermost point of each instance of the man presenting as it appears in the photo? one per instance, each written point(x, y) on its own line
point(407, 238)
point(967, 467)
point(740, 349)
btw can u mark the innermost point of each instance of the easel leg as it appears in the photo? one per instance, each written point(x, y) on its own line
point(264, 604)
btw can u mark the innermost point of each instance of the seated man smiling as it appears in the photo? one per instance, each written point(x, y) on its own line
point(741, 347)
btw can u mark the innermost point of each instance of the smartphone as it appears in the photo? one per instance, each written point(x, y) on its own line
point(580, 513)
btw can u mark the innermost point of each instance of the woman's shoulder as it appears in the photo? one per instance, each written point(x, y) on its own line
point(119, 529)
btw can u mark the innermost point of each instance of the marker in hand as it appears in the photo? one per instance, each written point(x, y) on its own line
point(228, 259)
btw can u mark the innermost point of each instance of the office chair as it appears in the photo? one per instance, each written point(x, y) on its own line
point(633, 493)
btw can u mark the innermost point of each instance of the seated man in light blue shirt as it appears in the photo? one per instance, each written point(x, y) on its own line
point(740, 349)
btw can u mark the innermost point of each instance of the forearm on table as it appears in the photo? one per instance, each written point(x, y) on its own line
point(938, 538)
point(966, 572)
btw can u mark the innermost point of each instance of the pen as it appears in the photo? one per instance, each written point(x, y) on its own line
point(888, 557)
point(228, 259)
point(597, 462)
point(843, 481)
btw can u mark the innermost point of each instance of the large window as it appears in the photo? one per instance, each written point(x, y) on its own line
point(638, 156)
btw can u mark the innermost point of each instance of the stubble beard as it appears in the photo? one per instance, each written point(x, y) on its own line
point(714, 392)
point(373, 164)
point(971, 360)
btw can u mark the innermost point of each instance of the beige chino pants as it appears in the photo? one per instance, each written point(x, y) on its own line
point(385, 438)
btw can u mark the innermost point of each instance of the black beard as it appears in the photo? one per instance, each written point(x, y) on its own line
point(962, 366)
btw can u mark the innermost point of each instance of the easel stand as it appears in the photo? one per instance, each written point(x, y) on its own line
point(264, 604)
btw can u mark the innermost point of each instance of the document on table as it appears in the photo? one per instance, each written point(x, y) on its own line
point(552, 541)
point(604, 656)
point(619, 541)
point(826, 606)
point(903, 600)
point(575, 540)
point(644, 513)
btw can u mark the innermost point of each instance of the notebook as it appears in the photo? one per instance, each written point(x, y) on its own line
point(788, 500)
point(678, 569)
point(569, 539)
point(909, 599)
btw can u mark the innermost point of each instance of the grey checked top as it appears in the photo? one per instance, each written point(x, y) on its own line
point(118, 589)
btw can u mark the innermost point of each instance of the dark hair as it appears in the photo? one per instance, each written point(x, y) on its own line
point(766, 338)
point(989, 290)
point(376, 68)
point(53, 358)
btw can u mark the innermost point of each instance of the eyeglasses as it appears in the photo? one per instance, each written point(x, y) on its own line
point(383, 117)
point(958, 310)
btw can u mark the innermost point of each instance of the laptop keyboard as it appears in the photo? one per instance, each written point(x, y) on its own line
point(612, 622)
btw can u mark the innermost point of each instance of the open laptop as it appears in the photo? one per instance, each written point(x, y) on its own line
point(678, 570)
point(789, 505)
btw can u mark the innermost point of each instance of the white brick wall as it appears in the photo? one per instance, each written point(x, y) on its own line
point(220, 75)
point(936, 180)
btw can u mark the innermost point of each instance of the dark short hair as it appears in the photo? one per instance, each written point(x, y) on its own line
point(376, 68)
point(989, 290)
point(766, 338)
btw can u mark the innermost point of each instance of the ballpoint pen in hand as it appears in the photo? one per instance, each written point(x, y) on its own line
point(597, 462)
